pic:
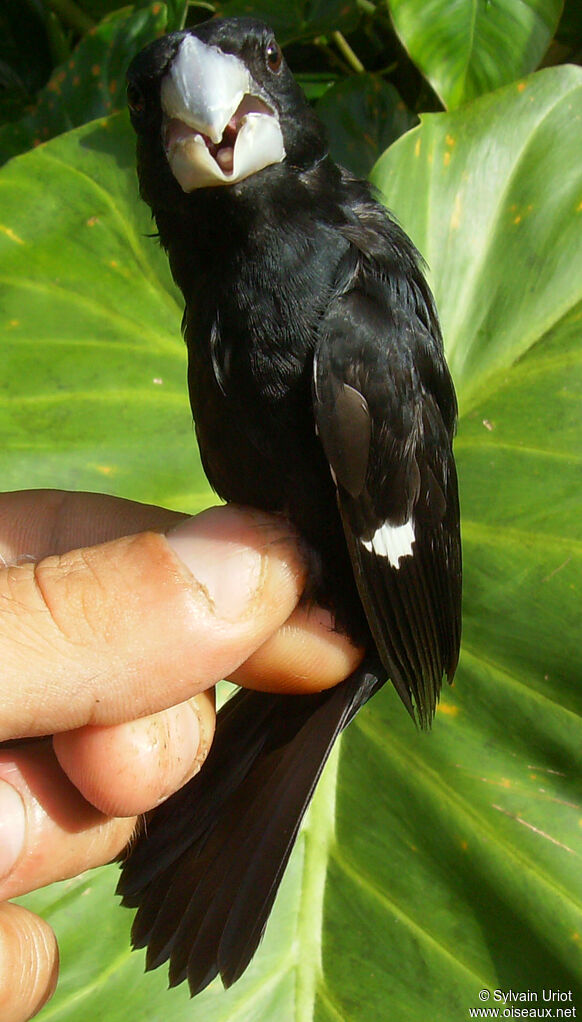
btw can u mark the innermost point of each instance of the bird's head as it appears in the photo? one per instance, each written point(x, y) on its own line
point(216, 104)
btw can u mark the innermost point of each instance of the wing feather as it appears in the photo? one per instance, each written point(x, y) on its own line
point(384, 406)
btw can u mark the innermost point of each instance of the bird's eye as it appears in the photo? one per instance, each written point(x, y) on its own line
point(135, 99)
point(273, 55)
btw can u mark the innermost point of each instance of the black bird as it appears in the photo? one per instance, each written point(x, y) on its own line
point(319, 390)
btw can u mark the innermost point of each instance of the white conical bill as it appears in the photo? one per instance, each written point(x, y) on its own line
point(203, 91)
point(204, 87)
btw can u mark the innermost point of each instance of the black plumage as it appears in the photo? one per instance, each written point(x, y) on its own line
point(319, 390)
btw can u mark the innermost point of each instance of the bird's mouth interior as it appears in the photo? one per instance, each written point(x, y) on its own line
point(177, 132)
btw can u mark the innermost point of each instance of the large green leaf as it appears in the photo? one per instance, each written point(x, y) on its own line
point(497, 219)
point(92, 389)
point(431, 866)
point(467, 48)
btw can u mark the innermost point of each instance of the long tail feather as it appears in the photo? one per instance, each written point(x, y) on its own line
point(206, 869)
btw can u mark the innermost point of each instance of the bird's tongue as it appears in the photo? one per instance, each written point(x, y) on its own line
point(223, 153)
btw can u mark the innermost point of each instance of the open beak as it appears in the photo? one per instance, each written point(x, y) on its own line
point(217, 129)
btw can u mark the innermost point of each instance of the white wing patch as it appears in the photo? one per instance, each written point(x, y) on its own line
point(392, 541)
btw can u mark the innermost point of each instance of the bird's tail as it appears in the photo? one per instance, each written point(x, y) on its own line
point(205, 870)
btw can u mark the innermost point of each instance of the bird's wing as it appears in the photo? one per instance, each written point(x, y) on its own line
point(385, 413)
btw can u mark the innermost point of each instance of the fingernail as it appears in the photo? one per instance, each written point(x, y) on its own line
point(228, 563)
point(184, 736)
point(12, 827)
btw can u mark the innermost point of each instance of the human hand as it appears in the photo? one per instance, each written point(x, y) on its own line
point(111, 640)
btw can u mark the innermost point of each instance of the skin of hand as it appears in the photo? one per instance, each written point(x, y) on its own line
point(117, 619)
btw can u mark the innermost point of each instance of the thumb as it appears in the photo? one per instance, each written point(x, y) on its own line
point(113, 632)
